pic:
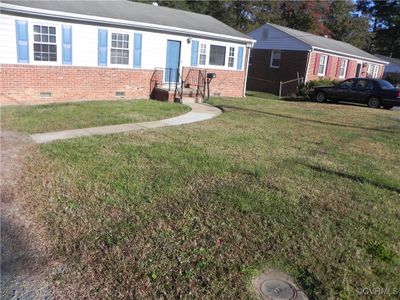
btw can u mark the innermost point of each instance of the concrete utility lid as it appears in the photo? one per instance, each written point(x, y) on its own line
point(275, 285)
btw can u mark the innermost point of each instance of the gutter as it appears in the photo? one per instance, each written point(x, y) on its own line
point(350, 55)
point(16, 9)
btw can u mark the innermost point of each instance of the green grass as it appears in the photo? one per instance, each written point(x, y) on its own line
point(72, 115)
point(198, 210)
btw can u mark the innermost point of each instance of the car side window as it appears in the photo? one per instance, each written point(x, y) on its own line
point(346, 84)
point(363, 84)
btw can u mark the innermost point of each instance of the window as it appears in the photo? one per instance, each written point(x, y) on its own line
point(44, 43)
point(275, 59)
point(322, 65)
point(217, 55)
point(119, 49)
point(385, 85)
point(203, 54)
point(373, 71)
point(347, 84)
point(343, 68)
point(231, 59)
point(363, 84)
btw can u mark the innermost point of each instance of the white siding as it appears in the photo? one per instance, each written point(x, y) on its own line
point(276, 40)
point(8, 42)
point(85, 45)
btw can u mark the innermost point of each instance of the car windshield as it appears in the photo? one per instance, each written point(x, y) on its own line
point(385, 85)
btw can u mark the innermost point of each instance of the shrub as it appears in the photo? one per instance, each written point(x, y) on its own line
point(306, 89)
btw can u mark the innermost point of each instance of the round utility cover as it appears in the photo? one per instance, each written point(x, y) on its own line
point(276, 289)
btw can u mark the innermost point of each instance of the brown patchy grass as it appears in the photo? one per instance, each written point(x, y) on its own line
point(198, 210)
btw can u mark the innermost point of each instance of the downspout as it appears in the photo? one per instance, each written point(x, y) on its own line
point(247, 71)
point(308, 65)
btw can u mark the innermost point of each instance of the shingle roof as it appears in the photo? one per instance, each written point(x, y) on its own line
point(392, 60)
point(321, 42)
point(137, 12)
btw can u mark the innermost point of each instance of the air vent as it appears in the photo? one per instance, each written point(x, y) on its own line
point(120, 94)
point(45, 95)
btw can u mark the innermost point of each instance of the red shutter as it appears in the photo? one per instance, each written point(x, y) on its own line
point(339, 61)
point(317, 56)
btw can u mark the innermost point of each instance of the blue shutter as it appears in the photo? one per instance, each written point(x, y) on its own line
point(240, 58)
point(66, 45)
point(195, 53)
point(22, 41)
point(137, 53)
point(102, 55)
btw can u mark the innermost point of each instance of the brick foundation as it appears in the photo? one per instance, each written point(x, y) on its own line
point(23, 84)
point(228, 83)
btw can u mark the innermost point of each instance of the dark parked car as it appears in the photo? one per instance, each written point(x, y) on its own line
point(374, 92)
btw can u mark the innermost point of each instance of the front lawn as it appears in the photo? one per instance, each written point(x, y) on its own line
point(72, 115)
point(196, 211)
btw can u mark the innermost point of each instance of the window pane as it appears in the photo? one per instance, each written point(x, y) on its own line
point(52, 30)
point(45, 38)
point(52, 39)
point(45, 29)
point(52, 48)
point(36, 37)
point(53, 57)
point(217, 55)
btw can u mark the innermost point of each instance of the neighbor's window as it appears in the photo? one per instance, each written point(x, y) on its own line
point(343, 68)
point(217, 55)
point(203, 54)
point(275, 59)
point(119, 49)
point(44, 43)
point(323, 59)
point(373, 71)
point(231, 59)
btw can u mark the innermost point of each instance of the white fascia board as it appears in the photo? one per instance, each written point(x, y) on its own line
point(350, 55)
point(80, 17)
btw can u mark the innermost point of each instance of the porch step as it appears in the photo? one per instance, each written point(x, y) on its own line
point(188, 100)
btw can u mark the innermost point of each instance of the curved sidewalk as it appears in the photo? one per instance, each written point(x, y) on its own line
point(199, 112)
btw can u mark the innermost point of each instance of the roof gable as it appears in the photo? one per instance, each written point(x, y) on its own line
point(323, 43)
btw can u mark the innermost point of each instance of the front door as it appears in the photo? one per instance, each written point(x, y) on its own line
point(173, 59)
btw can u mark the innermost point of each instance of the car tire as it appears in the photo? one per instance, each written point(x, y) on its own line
point(387, 106)
point(374, 102)
point(320, 97)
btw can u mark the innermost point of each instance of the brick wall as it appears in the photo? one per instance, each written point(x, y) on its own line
point(263, 78)
point(24, 83)
point(333, 64)
point(228, 83)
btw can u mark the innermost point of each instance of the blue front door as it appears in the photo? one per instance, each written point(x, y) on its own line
point(173, 58)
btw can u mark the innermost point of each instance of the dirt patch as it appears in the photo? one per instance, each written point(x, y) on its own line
point(24, 257)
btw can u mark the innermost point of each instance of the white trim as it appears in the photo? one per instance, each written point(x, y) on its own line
point(325, 64)
point(346, 55)
point(308, 66)
point(111, 21)
point(130, 48)
point(247, 49)
point(272, 59)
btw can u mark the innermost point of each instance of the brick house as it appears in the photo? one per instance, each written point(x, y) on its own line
point(92, 50)
point(283, 54)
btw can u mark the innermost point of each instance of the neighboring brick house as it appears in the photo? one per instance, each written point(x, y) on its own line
point(283, 54)
point(93, 50)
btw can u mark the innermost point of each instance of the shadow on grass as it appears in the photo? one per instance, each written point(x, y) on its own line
point(225, 108)
point(352, 177)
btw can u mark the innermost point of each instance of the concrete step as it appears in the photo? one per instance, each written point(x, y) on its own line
point(188, 100)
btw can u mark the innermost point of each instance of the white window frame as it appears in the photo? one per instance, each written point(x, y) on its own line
point(31, 42)
point(205, 48)
point(374, 68)
point(130, 48)
point(343, 68)
point(233, 57)
point(325, 63)
point(271, 65)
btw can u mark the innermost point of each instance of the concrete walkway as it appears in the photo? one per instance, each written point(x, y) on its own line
point(199, 112)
